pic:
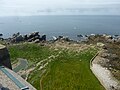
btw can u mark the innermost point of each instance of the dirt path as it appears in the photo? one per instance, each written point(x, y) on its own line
point(22, 65)
point(104, 76)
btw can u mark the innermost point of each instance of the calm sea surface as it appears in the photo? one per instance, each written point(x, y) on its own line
point(60, 25)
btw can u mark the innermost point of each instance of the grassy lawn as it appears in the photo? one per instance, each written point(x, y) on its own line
point(71, 72)
point(68, 71)
point(32, 52)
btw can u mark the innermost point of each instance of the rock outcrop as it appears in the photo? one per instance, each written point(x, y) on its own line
point(5, 57)
point(34, 37)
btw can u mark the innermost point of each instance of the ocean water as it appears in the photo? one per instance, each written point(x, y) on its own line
point(60, 25)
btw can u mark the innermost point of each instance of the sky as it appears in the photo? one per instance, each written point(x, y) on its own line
point(59, 7)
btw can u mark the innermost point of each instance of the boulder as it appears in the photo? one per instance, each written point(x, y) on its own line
point(54, 38)
point(29, 40)
point(105, 55)
point(65, 39)
point(37, 37)
point(111, 40)
point(36, 41)
point(108, 37)
point(33, 35)
point(19, 38)
point(100, 44)
point(43, 38)
point(25, 37)
point(79, 35)
point(60, 36)
point(36, 33)
point(1, 34)
point(28, 37)
point(118, 40)
point(16, 35)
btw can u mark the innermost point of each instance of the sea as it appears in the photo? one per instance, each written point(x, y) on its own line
point(56, 25)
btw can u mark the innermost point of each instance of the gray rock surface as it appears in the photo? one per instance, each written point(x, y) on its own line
point(32, 37)
point(5, 57)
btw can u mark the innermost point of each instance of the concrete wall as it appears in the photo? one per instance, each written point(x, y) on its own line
point(5, 57)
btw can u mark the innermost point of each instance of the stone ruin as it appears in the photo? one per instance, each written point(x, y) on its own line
point(5, 57)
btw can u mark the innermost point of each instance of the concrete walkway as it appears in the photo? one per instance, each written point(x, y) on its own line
point(104, 76)
point(6, 82)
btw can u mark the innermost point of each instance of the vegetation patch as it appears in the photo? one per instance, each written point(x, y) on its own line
point(57, 69)
point(71, 71)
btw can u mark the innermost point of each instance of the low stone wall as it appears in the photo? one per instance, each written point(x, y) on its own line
point(5, 57)
point(103, 74)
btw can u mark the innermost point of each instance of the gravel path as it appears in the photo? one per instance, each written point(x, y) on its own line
point(22, 65)
point(105, 77)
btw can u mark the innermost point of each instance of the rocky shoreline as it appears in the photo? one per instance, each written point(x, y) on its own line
point(36, 37)
point(106, 65)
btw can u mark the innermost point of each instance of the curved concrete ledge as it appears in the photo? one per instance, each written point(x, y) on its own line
point(104, 76)
point(2, 46)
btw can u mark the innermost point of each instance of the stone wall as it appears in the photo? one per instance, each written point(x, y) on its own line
point(5, 57)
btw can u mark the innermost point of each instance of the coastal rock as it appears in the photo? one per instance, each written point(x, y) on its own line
point(104, 55)
point(19, 38)
point(110, 40)
point(25, 37)
point(32, 37)
point(1, 34)
point(37, 41)
point(118, 41)
point(15, 35)
point(43, 38)
point(16, 38)
point(35, 37)
point(79, 35)
point(61, 38)
point(114, 56)
point(54, 38)
point(108, 37)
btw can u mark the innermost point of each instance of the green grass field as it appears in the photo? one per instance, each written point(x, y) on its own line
point(68, 71)
point(32, 52)
point(71, 72)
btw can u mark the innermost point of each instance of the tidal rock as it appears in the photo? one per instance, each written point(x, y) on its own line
point(37, 41)
point(108, 37)
point(1, 34)
point(80, 36)
point(118, 40)
point(43, 38)
point(16, 35)
point(19, 38)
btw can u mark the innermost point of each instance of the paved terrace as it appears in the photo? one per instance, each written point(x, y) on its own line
point(8, 84)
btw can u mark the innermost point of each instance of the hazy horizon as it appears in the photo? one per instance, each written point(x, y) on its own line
point(62, 7)
point(60, 25)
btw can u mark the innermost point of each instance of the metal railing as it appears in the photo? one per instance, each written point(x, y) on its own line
point(16, 81)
